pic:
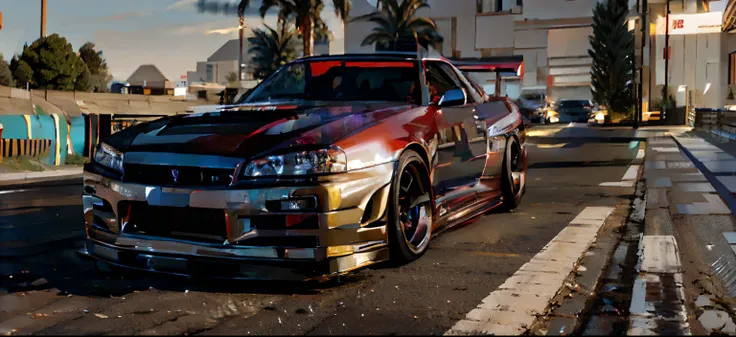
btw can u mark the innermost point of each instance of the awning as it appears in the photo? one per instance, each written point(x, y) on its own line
point(506, 65)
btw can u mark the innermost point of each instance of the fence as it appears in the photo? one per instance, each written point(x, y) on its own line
point(721, 122)
point(31, 135)
point(24, 147)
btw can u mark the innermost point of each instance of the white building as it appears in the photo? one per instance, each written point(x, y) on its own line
point(221, 64)
point(551, 35)
point(224, 61)
point(697, 68)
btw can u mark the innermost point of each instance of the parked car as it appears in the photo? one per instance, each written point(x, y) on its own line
point(571, 110)
point(333, 163)
point(533, 105)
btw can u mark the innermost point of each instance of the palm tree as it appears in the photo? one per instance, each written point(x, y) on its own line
point(397, 22)
point(307, 15)
point(203, 6)
point(271, 48)
point(306, 12)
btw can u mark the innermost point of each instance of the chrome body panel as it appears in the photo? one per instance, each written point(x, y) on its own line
point(349, 237)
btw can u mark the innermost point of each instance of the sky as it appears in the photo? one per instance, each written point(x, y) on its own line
point(169, 34)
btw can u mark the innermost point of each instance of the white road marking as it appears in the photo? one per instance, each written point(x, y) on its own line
point(660, 254)
point(514, 306)
point(15, 191)
point(618, 184)
point(631, 173)
point(640, 154)
point(659, 258)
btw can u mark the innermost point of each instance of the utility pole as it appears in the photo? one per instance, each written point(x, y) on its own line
point(43, 18)
point(644, 9)
point(666, 91)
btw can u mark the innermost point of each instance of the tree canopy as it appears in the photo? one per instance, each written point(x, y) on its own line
point(305, 14)
point(49, 63)
point(98, 74)
point(611, 48)
point(270, 49)
point(396, 20)
point(6, 76)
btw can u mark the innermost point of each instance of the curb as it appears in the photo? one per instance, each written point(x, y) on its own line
point(29, 181)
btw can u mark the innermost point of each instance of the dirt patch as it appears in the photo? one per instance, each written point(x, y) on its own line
point(22, 164)
point(34, 164)
point(75, 160)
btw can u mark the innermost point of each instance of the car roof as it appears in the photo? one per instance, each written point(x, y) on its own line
point(384, 56)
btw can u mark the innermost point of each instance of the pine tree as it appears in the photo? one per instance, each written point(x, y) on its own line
point(611, 47)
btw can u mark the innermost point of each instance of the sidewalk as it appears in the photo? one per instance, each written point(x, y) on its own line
point(595, 133)
point(687, 269)
point(22, 178)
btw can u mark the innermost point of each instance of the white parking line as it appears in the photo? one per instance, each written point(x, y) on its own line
point(514, 306)
point(617, 184)
point(631, 173)
point(658, 285)
point(628, 180)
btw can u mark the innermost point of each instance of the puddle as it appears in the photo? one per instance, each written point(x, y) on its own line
point(610, 310)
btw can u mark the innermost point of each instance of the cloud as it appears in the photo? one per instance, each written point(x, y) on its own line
point(202, 29)
point(181, 5)
point(222, 31)
point(125, 51)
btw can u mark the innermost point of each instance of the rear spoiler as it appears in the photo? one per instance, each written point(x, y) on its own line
point(506, 65)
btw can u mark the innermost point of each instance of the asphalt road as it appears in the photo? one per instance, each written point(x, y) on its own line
point(58, 292)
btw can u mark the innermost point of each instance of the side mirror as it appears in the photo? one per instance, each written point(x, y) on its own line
point(452, 97)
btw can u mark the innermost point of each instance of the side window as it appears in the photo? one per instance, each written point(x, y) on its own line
point(439, 82)
point(451, 80)
point(447, 69)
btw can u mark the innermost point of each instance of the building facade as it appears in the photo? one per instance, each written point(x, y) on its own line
point(222, 65)
point(683, 52)
point(551, 35)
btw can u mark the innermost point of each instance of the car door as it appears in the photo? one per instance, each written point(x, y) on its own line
point(461, 151)
point(497, 116)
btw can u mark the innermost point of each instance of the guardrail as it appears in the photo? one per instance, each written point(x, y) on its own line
point(720, 122)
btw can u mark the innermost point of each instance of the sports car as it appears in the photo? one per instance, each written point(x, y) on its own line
point(331, 164)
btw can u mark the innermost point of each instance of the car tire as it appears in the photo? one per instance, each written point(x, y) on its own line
point(410, 209)
point(513, 169)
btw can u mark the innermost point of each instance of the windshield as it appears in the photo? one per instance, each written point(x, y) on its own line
point(575, 104)
point(342, 81)
point(533, 97)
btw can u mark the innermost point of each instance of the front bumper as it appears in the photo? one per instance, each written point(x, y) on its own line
point(565, 118)
point(347, 229)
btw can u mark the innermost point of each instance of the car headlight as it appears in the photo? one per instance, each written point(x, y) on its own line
point(329, 160)
point(109, 157)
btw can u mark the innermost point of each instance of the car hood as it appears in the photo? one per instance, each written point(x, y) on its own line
point(249, 130)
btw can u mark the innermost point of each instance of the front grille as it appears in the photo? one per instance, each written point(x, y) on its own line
point(163, 175)
point(281, 241)
point(281, 222)
point(183, 223)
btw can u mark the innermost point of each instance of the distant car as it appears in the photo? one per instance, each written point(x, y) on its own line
point(332, 164)
point(571, 110)
point(533, 106)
